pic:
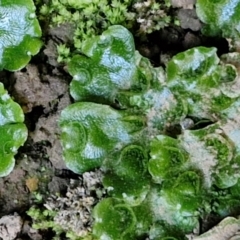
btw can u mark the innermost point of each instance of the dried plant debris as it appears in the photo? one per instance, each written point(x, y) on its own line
point(151, 16)
point(71, 214)
point(74, 210)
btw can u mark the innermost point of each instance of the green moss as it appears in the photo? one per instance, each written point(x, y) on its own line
point(90, 18)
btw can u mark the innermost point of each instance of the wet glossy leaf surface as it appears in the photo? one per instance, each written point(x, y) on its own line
point(91, 131)
point(127, 175)
point(108, 68)
point(13, 133)
point(196, 77)
point(167, 158)
point(114, 220)
point(19, 34)
point(221, 17)
point(171, 176)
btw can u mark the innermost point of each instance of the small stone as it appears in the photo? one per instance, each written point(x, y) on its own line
point(190, 41)
point(189, 20)
point(10, 226)
point(186, 4)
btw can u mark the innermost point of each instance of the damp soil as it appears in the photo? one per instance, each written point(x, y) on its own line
point(42, 90)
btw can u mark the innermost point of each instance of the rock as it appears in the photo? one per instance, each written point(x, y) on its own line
point(58, 185)
point(186, 4)
point(62, 33)
point(190, 41)
point(189, 20)
point(32, 233)
point(10, 226)
point(51, 52)
point(227, 229)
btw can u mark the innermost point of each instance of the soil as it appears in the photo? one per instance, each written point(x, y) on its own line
point(42, 90)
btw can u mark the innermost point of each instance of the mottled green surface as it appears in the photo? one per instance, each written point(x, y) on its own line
point(221, 17)
point(196, 77)
point(114, 220)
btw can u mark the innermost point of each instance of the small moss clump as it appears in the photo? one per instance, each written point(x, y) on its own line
point(91, 18)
